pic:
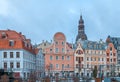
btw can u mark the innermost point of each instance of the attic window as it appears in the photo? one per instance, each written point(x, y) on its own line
point(44, 44)
point(4, 35)
point(11, 43)
point(110, 48)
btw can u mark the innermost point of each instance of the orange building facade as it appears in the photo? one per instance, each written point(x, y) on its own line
point(111, 60)
point(59, 58)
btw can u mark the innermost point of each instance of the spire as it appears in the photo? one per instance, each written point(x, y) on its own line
point(81, 21)
point(81, 32)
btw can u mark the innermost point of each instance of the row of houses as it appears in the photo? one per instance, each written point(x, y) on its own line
point(58, 57)
point(79, 58)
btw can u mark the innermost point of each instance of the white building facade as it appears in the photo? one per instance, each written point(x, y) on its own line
point(19, 56)
point(40, 64)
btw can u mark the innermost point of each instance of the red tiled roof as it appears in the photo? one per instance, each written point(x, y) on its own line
point(18, 38)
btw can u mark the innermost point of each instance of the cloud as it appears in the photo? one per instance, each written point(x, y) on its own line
point(39, 17)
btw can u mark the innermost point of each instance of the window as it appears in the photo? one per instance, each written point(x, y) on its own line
point(56, 43)
point(81, 58)
point(62, 43)
point(57, 66)
point(11, 43)
point(98, 59)
point(95, 59)
point(44, 44)
point(113, 54)
point(102, 59)
point(62, 66)
point(4, 35)
point(5, 64)
point(87, 58)
point(24, 75)
point(107, 54)
point(18, 65)
point(91, 58)
point(88, 74)
point(87, 65)
point(17, 54)
point(79, 52)
point(56, 50)
point(62, 57)
point(68, 57)
point(51, 58)
point(57, 57)
point(77, 66)
point(107, 59)
point(62, 49)
point(50, 50)
point(5, 54)
point(77, 58)
point(114, 60)
point(68, 65)
point(110, 48)
point(98, 52)
point(51, 66)
point(11, 64)
point(111, 60)
point(11, 54)
point(95, 52)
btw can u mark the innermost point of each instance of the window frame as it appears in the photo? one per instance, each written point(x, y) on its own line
point(11, 55)
point(4, 54)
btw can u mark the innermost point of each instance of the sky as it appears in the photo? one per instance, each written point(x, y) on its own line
point(40, 19)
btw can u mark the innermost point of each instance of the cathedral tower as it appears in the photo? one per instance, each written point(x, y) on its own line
point(81, 33)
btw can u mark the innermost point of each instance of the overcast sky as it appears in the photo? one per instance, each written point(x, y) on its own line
point(41, 19)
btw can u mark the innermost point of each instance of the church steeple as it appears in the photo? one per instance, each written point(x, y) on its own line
point(81, 33)
point(81, 21)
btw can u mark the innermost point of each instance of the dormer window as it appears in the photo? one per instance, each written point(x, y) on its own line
point(44, 44)
point(11, 42)
point(62, 43)
point(79, 52)
point(4, 35)
point(56, 43)
point(110, 48)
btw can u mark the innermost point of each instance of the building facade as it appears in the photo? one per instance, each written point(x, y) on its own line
point(59, 58)
point(43, 45)
point(40, 64)
point(79, 60)
point(94, 54)
point(17, 54)
point(116, 43)
point(111, 60)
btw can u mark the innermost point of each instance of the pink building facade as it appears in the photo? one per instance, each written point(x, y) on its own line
point(111, 60)
point(59, 57)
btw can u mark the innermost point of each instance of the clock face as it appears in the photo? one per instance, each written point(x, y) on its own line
point(79, 52)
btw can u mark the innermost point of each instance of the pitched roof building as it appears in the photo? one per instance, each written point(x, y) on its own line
point(17, 54)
